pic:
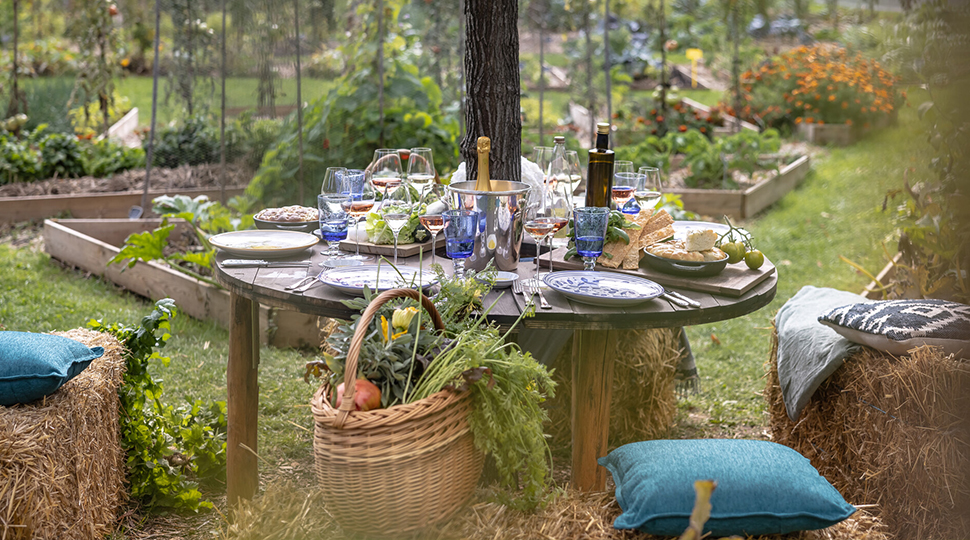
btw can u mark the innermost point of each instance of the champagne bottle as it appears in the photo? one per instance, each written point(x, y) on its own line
point(599, 175)
point(483, 183)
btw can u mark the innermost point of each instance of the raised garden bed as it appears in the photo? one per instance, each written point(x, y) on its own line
point(112, 197)
point(744, 203)
point(90, 243)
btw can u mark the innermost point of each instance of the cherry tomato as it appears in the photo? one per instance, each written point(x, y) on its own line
point(735, 252)
point(754, 259)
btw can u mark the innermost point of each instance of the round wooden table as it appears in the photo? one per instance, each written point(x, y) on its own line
point(593, 351)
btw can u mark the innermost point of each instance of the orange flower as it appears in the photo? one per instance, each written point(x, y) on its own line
point(798, 120)
point(682, 128)
point(832, 97)
point(848, 122)
point(845, 105)
point(809, 120)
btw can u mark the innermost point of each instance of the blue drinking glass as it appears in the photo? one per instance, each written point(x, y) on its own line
point(589, 228)
point(461, 230)
point(354, 182)
point(334, 220)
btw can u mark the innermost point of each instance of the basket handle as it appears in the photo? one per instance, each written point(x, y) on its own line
point(350, 369)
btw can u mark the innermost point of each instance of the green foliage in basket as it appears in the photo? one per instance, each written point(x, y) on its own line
point(170, 449)
point(408, 361)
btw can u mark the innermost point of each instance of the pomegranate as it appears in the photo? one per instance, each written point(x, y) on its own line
point(367, 395)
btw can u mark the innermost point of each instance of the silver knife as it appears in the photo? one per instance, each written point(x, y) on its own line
point(243, 263)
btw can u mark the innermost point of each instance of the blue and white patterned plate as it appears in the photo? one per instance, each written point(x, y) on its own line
point(352, 279)
point(603, 288)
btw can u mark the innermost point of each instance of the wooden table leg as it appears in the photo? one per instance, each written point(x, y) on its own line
point(242, 474)
point(592, 370)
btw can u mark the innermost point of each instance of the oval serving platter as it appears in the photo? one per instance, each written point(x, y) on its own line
point(603, 288)
point(352, 279)
point(263, 243)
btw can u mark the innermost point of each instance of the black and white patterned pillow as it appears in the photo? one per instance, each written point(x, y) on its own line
point(896, 326)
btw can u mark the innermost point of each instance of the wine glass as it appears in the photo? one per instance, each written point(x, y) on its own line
point(385, 170)
point(421, 171)
point(624, 186)
point(575, 170)
point(362, 199)
point(553, 209)
point(589, 226)
point(541, 156)
point(538, 228)
point(621, 166)
point(330, 181)
point(333, 222)
point(649, 192)
point(461, 230)
point(396, 210)
point(436, 202)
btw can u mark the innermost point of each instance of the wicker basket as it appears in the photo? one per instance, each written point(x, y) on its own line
point(393, 471)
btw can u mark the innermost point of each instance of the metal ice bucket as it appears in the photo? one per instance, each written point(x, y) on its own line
point(501, 226)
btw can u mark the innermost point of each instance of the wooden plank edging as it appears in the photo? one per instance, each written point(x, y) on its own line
point(101, 205)
point(151, 279)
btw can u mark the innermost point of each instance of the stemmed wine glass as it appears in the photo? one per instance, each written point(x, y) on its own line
point(432, 219)
point(330, 181)
point(575, 170)
point(649, 191)
point(333, 223)
point(621, 166)
point(542, 156)
point(553, 209)
point(537, 228)
point(385, 170)
point(362, 199)
point(396, 208)
point(421, 171)
point(624, 186)
point(461, 231)
point(589, 226)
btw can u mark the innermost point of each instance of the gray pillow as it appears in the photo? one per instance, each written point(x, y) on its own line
point(808, 351)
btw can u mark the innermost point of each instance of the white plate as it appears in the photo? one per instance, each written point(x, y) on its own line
point(603, 288)
point(263, 243)
point(504, 279)
point(352, 279)
point(681, 228)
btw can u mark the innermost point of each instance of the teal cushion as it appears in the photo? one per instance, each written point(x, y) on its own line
point(35, 365)
point(762, 487)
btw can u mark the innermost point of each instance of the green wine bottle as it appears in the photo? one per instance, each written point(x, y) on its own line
point(599, 175)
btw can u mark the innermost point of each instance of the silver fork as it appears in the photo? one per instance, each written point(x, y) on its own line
point(536, 288)
point(517, 287)
point(306, 283)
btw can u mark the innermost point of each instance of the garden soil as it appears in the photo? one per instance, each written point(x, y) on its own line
point(184, 177)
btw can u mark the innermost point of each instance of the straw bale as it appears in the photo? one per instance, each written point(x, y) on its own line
point(892, 432)
point(590, 515)
point(642, 405)
point(62, 470)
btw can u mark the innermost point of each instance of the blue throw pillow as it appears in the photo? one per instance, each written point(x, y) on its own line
point(762, 487)
point(35, 365)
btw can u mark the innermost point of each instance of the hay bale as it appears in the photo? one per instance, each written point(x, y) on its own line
point(642, 405)
point(590, 515)
point(62, 470)
point(891, 432)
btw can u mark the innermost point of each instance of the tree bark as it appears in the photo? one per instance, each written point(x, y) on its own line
point(492, 85)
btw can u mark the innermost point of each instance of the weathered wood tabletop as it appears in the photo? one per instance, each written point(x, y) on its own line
point(593, 348)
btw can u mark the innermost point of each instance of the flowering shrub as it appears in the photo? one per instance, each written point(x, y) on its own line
point(818, 84)
point(648, 118)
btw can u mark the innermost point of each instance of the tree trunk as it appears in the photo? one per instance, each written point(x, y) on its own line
point(492, 70)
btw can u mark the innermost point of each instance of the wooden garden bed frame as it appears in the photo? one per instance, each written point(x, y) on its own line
point(90, 243)
point(744, 203)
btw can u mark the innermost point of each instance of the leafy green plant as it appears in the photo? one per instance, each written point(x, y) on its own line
point(87, 126)
point(205, 218)
point(169, 449)
point(192, 142)
point(61, 156)
point(19, 162)
point(105, 157)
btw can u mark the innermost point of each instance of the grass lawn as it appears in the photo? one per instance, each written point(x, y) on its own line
point(240, 92)
point(835, 211)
